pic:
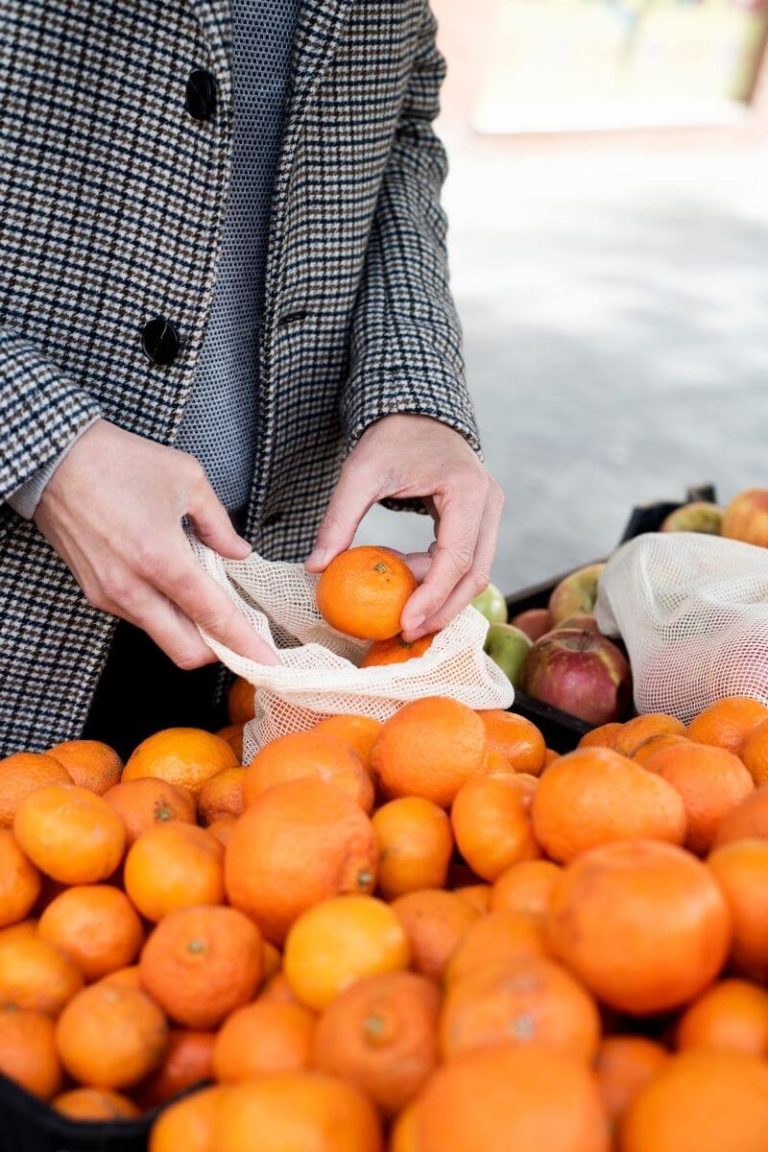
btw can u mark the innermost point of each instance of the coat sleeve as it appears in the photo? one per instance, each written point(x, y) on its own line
point(42, 411)
point(405, 353)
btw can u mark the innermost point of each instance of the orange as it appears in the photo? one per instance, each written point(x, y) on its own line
point(96, 926)
point(363, 592)
point(728, 723)
point(701, 1100)
point(28, 1051)
point(530, 1000)
point(747, 820)
point(395, 651)
point(711, 782)
point(23, 773)
point(300, 1111)
point(95, 1104)
point(731, 1016)
point(240, 701)
point(415, 845)
point(517, 739)
point(110, 1036)
point(741, 870)
point(233, 734)
point(185, 756)
point(263, 1037)
point(641, 728)
point(654, 744)
point(434, 922)
point(201, 963)
point(402, 1134)
point(277, 990)
point(34, 974)
point(338, 942)
point(624, 1065)
point(187, 1125)
point(604, 736)
point(429, 748)
point(381, 1036)
point(173, 866)
point(222, 829)
point(70, 833)
point(90, 763)
point(309, 755)
point(508, 1097)
point(129, 977)
point(634, 892)
point(594, 796)
point(497, 937)
point(478, 896)
point(188, 1060)
point(272, 960)
point(754, 753)
point(222, 795)
point(143, 803)
point(492, 825)
point(297, 844)
point(359, 731)
point(20, 881)
point(526, 887)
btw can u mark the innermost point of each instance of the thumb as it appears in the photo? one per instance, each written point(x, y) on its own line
point(214, 527)
point(352, 498)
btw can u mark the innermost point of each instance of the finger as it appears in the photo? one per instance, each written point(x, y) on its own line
point(419, 563)
point(456, 540)
point(207, 605)
point(354, 495)
point(479, 574)
point(122, 594)
point(212, 522)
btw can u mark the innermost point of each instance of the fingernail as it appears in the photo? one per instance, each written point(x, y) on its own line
point(318, 559)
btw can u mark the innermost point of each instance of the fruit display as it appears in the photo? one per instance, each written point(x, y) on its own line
point(427, 933)
point(577, 940)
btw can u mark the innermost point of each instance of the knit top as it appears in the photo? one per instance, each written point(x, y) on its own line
point(219, 425)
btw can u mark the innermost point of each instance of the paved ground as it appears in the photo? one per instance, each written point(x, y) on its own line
point(615, 310)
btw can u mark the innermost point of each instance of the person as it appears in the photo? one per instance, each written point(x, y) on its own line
point(224, 304)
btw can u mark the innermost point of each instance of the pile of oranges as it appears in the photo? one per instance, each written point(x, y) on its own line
point(427, 935)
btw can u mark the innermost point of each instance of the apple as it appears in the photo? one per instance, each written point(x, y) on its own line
point(580, 672)
point(746, 517)
point(575, 593)
point(698, 516)
point(535, 622)
point(491, 604)
point(580, 620)
point(508, 647)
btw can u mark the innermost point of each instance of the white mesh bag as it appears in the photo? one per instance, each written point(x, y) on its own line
point(318, 675)
point(693, 612)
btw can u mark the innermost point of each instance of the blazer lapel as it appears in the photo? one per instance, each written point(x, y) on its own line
point(319, 27)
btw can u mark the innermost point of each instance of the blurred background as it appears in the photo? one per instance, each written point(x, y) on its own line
point(608, 205)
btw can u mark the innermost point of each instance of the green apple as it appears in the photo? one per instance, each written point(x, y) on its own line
point(508, 647)
point(491, 604)
point(696, 517)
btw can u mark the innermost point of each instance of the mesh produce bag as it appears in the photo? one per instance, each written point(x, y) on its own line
point(318, 675)
point(693, 612)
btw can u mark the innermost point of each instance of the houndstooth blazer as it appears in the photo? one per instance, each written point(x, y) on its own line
point(112, 199)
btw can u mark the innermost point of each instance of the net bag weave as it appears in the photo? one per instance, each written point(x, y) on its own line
point(692, 610)
point(318, 675)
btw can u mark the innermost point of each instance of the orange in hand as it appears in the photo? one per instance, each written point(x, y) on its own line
point(363, 592)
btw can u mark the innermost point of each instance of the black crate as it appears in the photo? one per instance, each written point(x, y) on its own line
point(562, 731)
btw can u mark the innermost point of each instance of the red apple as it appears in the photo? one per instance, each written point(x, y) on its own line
point(576, 593)
point(535, 622)
point(698, 516)
point(580, 672)
point(746, 517)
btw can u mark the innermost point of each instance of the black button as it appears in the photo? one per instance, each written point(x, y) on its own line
point(160, 340)
point(201, 94)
